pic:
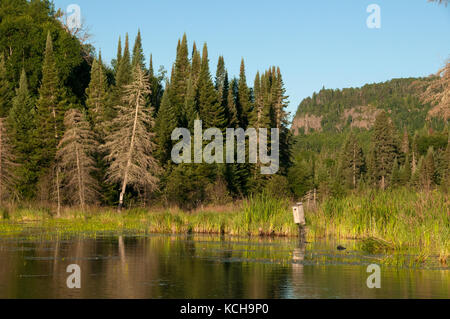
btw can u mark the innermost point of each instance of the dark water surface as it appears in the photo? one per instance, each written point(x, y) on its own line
point(164, 266)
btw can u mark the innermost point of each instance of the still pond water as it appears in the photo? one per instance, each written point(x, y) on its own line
point(165, 266)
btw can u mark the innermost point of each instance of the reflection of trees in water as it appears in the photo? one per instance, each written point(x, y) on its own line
point(190, 267)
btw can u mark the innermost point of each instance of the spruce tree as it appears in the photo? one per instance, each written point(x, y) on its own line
point(243, 100)
point(221, 76)
point(123, 75)
point(196, 64)
point(21, 125)
point(281, 119)
point(405, 172)
point(260, 115)
point(116, 62)
point(97, 95)
point(156, 88)
point(49, 119)
point(130, 148)
point(231, 111)
point(385, 147)
point(211, 110)
point(75, 156)
point(190, 110)
point(138, 59)
point(179, 80)
point(165, 123)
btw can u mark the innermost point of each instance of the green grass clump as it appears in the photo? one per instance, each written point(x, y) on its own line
point(395, 219)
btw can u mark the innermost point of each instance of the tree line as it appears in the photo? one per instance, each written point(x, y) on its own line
point(112, 144)
point(381, 158)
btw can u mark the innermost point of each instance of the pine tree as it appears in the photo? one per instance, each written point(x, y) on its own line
point(130, 147)
point(385, 147)
point(21, 125)
point(75, 157)
point(7, 165)
point(5, 89)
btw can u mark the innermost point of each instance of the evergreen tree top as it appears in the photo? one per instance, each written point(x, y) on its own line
point(23, 83)
point(151, 71)
point(242, 76)
point(138, 53)
point(119, 50)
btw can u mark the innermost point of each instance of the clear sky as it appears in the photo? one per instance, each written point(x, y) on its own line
point(315, 43)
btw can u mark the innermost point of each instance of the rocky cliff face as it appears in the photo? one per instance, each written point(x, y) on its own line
point(357, 117)
point(307, 123)
point(335, 110)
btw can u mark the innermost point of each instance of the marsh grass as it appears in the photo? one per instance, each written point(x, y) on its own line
point(390, 222)
point(396, 220)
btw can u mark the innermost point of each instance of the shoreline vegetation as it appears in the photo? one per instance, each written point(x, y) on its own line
point(392, 222)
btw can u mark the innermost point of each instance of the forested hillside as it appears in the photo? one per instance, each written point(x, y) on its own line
point(334, 110)
point(384, 135)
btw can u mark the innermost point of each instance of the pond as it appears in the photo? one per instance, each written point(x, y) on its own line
point(194, 266)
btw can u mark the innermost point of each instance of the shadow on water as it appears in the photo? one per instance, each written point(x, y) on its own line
point(193, 266)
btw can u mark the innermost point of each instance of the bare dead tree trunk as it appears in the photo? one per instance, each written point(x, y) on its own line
point(130, 152)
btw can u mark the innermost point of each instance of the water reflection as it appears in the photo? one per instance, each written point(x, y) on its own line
point(191, 266)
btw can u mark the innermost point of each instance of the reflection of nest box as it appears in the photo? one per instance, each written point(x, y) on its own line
point(299, 214)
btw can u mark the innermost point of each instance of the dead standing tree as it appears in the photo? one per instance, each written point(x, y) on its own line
point(130, 146)
point(74, 156)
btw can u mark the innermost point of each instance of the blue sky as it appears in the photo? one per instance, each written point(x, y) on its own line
point(315, 43)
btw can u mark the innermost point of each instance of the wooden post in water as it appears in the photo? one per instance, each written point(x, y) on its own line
point(299, 219)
